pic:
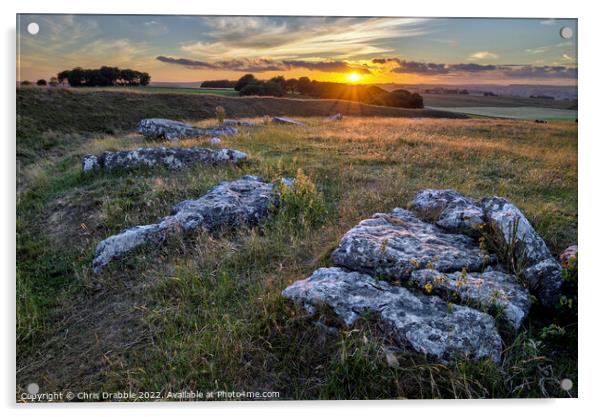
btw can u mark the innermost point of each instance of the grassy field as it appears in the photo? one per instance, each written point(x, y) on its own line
point(526, 113)
point(461, 100)
point(205, 312)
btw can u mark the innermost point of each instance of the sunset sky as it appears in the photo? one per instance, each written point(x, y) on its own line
point(374, 50)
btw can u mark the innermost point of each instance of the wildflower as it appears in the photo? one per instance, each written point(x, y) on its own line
point(428, 287)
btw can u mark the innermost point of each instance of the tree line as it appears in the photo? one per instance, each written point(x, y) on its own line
point(278, 86)
point(103, 77)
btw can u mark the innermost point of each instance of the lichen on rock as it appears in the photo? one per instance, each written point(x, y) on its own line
point(171, 158)
point(230, 204)
point(173, 130)
point(427, 324)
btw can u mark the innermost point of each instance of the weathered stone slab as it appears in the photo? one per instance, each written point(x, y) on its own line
point(427, 324)
point(230, 204)
point(172, 130)
point(486, 291)
point(511, 228)
point(335, 117)
point(235, 122)
point(395, 244)
point(450, 210)
point(287, 121)
point(172, 158)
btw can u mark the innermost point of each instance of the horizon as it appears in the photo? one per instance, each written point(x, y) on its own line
point(352, 50)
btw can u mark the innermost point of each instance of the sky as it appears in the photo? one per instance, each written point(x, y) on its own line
point(341, 49)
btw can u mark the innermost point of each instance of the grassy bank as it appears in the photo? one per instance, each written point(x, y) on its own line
point(109, 110)
point(205, 312)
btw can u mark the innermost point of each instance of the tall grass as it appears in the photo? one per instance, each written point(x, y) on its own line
point(205, 311)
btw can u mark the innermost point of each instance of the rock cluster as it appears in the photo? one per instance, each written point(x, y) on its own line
point(453, 285)
point(230, 204)
point(172, 130)
point(172, 158)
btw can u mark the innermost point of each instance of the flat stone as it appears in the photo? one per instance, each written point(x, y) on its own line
point(172, 158)
point(335, 117)
point(450, 210)
point(486, 291)
point(235, 122)
point(427, 324)
point(230, 204)
point(511, 228)
point(395, 244)
point(173, 130)
point(287, 121)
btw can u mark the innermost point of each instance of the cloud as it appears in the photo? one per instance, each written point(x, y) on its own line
point(265, 65)
point(545, 71)
point(422, 68)
point(327, 66)
point(548, 22)
point(510, 71)
point(386, 60)
point(301, 38)
point(189, 63)
point(483, 55)
point(568, 57)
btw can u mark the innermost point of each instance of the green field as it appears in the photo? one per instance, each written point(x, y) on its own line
point(526, 113)
point(205, 312)
point(461, 100)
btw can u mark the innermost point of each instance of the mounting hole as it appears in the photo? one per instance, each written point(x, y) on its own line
point(566, 33)
point(33, 28)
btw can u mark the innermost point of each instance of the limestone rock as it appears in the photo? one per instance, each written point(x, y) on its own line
point(545, 280)
point(512, 228)
point(484, 290)
point(172, 130)
point(230, 204)
point(394, 244)
point(235, 122)
point(449, 210)
point(215, 141)
point(172, 158)
point(287, 121)
point(427, 324)
point(335, 117)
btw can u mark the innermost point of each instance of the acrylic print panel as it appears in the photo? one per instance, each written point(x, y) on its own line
point(270, 208)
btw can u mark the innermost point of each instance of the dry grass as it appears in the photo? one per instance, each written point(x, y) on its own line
point(205, 312)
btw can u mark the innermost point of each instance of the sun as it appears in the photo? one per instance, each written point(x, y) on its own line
point(353, 77)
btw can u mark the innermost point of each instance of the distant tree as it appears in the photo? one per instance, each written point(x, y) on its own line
point(244, 80)
point(63, 76)
point(292, 85)
point(304, 85)
point(103, 76)
point(273, 87)
point(25, 82)
point(144, 78)
point(280, 80)
point(41, 82)
point(251, 89)
point(53, 82)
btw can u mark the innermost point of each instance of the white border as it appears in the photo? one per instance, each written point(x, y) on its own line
point(589, 196)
